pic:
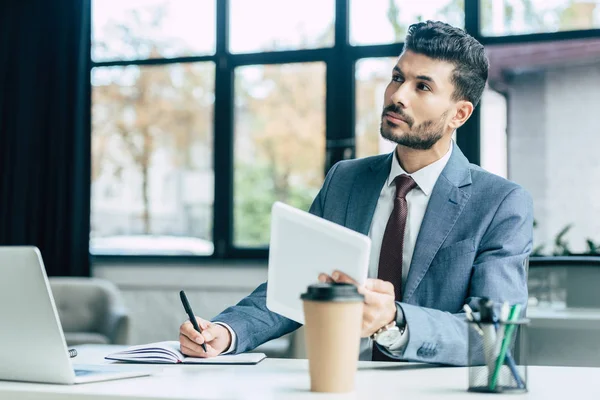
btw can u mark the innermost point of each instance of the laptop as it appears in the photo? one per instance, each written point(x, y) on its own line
point(32, 344)
point(302, 246)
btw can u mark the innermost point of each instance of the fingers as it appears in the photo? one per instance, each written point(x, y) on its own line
point(215, 337)
point(191, 348)
point(380, 286)
point(187, 329)
point(210, 333)
point(341, 277)
point(325, 278)
point(380, 307)
point(371, 298)
point(202, 323)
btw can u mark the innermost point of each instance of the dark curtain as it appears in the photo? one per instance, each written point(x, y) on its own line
point(45, 130)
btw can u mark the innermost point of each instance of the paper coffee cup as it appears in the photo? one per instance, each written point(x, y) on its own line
point(333, 319)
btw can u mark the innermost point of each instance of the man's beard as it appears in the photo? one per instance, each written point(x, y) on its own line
point(421, 137)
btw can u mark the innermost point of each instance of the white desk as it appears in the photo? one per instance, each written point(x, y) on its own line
point(288, 379)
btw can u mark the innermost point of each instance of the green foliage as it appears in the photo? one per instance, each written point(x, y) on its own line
point(538, 250)
point(561, 245)
point(255, 194)
point(593, 248)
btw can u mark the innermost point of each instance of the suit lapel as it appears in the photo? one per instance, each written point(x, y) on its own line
point(365, 193)
point(448, 198)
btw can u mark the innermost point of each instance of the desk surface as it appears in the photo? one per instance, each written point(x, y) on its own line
point(288, 379)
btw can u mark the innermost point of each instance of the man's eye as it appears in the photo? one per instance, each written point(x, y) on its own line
point(397, 78)
point(424, 87)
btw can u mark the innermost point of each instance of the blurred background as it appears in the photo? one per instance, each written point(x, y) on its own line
point(144, 141)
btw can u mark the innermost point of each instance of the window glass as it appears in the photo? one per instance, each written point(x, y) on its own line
point(513, 17)
point(152, 159)
point(385, 21)
point(270, 25)
point(279, 143)
point(372, 77)
point(140, 29)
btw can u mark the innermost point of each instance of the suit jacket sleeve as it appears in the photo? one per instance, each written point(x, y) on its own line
point(499, 272)
point(251, 320)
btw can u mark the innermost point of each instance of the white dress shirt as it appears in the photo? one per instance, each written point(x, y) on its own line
point(233, 344)
point(417, 201)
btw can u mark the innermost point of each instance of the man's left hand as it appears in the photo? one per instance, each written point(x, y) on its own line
point(380, 305)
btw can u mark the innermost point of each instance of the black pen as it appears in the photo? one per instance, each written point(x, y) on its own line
point(190, 314)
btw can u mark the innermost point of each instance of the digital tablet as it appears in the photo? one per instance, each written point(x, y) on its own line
point(302, 246)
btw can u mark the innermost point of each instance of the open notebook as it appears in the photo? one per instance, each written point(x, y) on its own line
point(168, 352)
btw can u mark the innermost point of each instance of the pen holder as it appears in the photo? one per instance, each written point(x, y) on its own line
point(497, 357)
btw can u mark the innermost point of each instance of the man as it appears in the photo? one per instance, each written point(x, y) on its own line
point(444, 232)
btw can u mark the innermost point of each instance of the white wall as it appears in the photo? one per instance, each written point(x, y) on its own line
point(151, 292)
point(554, 149)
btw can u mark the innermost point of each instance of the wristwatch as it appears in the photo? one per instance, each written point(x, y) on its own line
point(389, 334)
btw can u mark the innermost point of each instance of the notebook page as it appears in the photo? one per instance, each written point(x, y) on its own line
point(244, 358)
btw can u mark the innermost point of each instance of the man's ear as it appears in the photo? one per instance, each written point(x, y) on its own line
point(463, 111)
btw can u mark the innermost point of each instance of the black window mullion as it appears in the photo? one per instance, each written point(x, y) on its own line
point(280, 57)
point(468, 136)
point(153, 61)
point(223, 138)
point(540, 37)
point(339, 109)
point(472, 19)
point(375, 51)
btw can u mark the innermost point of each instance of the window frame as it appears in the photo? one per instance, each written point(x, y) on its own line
point(340, 61)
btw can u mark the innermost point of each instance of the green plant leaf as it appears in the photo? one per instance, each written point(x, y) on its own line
point(593, 248)
point(538, 250)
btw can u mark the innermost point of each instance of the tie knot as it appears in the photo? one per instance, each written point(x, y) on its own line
point(404, 184)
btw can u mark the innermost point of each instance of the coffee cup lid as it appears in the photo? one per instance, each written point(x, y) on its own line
point(332, 292)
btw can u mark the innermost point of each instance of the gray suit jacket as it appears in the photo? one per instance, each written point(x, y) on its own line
point(474, 242)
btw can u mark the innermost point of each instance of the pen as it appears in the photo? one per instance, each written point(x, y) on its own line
point(501, 329)
point(190, 314)
point(514, 316)
point(471, 318)
point(496, 338)
point(486, 318)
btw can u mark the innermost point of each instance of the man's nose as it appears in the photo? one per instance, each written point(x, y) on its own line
point(401, 96)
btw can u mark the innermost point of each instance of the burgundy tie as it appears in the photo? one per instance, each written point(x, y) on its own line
point(390, 258)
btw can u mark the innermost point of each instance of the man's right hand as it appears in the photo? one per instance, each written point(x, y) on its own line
point(216, 337)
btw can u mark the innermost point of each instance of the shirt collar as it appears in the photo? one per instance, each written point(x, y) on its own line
point(426, 177)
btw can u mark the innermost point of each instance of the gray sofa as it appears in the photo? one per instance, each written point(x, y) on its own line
point(91, 311)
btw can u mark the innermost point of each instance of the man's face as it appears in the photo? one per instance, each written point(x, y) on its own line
point(418, 101)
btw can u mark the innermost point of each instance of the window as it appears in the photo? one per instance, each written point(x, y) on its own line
point(271, 25)
point(493, 132)
point(372, 77)
point(152, 178)
point(512, 17)
point(386, 21)
point(279, 143)
point(138, 29)
point(205, 112)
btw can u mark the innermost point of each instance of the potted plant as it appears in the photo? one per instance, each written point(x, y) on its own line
point(576, 278)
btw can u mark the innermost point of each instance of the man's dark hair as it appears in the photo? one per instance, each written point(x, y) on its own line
point(441, 41)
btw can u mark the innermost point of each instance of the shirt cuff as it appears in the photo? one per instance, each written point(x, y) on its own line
point(400, 343)
point(233, 344)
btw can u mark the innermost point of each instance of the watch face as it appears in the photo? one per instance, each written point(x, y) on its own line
point(388, 337)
